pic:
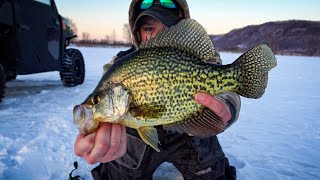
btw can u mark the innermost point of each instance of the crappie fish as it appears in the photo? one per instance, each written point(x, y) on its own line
point(156, 84)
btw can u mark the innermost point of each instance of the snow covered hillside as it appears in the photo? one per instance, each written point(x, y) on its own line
point(276, 137)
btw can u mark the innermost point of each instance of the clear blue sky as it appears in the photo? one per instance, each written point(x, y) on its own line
point(103, 17)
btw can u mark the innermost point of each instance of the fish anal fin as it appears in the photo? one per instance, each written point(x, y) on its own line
point(150, 136)
point(204, 123)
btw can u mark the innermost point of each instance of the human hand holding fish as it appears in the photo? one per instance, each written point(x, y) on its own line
point(217, 106)
point(107, 143)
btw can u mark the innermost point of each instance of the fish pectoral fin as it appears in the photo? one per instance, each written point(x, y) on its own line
point(150, 136)
point(147, 111)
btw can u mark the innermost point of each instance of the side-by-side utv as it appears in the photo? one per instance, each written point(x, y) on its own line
point(34, 39)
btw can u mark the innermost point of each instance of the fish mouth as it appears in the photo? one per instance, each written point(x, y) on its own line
point(83, 118)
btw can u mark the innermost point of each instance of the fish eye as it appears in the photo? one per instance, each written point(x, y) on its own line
point(95, 99)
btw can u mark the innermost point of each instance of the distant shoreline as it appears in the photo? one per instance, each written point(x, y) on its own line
point(219, 50)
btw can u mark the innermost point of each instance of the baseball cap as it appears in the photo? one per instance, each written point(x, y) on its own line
point(167, 16)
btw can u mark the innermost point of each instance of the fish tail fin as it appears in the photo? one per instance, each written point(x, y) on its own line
point(253, 67)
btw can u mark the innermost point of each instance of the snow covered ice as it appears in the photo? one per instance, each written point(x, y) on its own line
point(275, 137)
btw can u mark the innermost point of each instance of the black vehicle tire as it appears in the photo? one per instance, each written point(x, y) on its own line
point(72, 70)
point(2, 82)
point(11, 76)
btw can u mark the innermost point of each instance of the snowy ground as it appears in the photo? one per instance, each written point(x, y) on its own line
point(276, 137)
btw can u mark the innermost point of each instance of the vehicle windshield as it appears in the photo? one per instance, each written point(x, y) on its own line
point(47, 2)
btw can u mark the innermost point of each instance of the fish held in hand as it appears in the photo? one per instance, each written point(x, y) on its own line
point(156, 84)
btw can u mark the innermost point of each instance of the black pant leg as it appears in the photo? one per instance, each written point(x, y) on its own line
point(203, 158)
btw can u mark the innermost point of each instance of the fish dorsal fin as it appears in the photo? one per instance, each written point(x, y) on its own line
point(188, 35)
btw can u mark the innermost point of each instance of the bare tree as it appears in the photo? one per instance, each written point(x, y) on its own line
point(72, 25)
point(85, 36)
point(107, 39)
point(114, 36)
point(127, 32)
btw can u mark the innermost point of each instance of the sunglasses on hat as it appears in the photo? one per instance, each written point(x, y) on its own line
point(146, 4)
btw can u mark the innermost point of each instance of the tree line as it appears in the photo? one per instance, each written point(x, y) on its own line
point(85, 39)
